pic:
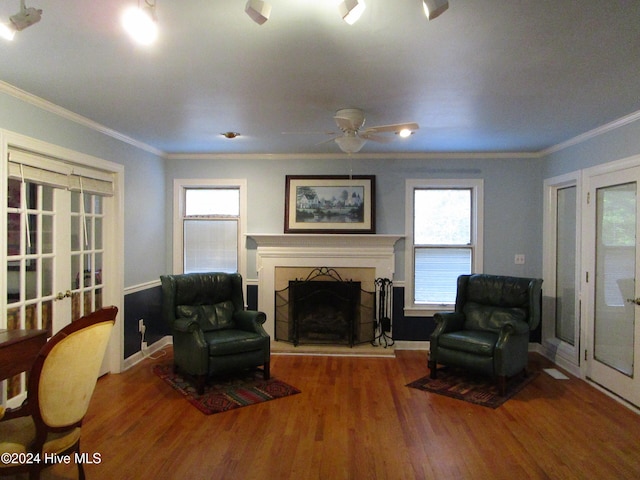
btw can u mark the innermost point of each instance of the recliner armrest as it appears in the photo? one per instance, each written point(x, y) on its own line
point(186, 325)
point(448, 322)
point(516, 327)
point(250, 320)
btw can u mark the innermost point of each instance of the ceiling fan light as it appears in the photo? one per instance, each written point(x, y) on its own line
point(405, 132)
point(141, 23)
point(350, 143)
point(7, 31)
point(350, 10)
point(258, 10)
point(433, 8)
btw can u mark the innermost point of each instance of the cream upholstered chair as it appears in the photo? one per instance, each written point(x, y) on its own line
point(60, 386)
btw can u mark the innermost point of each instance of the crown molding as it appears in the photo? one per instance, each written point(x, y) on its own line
point(608, 127)
point(358, 156)
point(74, 117)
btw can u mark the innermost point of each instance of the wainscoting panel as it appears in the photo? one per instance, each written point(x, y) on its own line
point(146, 304)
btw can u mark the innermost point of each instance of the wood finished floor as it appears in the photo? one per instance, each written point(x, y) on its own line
point(356, 419)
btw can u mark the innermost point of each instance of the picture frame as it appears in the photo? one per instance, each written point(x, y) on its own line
point(330, 204)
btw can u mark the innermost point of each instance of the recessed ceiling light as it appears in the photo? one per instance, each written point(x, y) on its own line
point(230, 134)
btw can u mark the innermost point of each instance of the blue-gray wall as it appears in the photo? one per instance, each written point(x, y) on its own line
point(144, 203)
point(512, 213)
point(616, 144)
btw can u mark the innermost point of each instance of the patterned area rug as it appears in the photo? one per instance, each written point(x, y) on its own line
point(227, 393)
point(472, 388)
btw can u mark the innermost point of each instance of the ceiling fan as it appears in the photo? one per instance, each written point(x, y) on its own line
point(350, 121)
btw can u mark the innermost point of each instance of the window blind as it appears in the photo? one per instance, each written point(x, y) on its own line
point(56, 173)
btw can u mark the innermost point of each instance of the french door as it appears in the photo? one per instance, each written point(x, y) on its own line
point(55, 251)
point(614, 295)
point(562, 239)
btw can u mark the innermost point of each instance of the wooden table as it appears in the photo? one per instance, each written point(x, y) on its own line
point(18, 350)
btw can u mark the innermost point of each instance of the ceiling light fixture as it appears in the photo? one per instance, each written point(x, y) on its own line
point(433, 8)
point(405, 132)
point(258, 10)
point(141, 23)
point(350, 10)
point(21, 20)
point(350, 142)
point(230, 134)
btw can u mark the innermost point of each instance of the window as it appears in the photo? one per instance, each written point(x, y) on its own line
point(210, 227)
point(443, 241)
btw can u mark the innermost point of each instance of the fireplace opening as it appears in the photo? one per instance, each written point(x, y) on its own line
point(324, 309)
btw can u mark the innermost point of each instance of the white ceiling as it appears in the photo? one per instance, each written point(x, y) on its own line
point(485, 76)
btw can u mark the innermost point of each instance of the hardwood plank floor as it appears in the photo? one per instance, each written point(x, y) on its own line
point(356, 419)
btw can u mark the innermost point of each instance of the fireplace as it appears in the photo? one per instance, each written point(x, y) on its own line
point(281, 258)
point(324, 309)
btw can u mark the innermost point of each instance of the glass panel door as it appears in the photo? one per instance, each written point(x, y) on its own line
point(615, 333)
point(54, 261)
point(565, 311)
point(87, 251)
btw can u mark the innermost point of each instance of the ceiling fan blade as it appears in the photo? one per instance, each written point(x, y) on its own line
point(376, 138)
point(392, 128)
point(309, 133)
point(325, 141)
point(345, 124)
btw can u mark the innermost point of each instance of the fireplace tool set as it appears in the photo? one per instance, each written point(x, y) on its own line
point(382, 326)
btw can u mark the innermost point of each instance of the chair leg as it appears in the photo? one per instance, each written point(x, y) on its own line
point(200, 381)
point(502, 385)
point(433, 370)
point(80, 470)
point(267, 370)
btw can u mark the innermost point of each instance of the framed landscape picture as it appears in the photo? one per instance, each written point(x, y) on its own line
point(330, 204)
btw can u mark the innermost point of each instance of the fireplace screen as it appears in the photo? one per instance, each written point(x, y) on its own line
point(324, 309)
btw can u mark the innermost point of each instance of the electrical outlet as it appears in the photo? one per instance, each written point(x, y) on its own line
point(519, 259)
point(140, 325)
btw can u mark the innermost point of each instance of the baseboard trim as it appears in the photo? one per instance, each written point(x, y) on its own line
point(411, 345)
point(153, 349)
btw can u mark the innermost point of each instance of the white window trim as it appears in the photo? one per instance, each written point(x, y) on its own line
point(179, 186)
point(567, 355)
point(477, 191)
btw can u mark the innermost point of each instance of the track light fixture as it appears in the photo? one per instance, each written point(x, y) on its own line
point(258, 10)
point(350, 10)
point(141, 23)
point(433, 8)
point(21, 20)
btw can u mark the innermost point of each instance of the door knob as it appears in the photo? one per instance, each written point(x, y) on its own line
point(634, 300)
point(61, 295)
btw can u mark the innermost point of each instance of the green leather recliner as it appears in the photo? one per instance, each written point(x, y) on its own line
point(488, 331)
point(212, 332)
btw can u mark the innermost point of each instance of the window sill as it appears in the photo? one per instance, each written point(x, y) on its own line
point(427, 311)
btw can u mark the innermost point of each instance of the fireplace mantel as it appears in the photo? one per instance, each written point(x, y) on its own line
point(304, 240)
point(321, 250)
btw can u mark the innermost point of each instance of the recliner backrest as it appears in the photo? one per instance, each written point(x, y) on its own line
point(489, 300)
point(209, 317)
point(209, 298)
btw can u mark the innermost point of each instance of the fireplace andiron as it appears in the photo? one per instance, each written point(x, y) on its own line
point(382, 326)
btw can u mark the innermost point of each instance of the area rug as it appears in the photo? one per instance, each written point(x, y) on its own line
point(464, 385)
point(227, 393)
